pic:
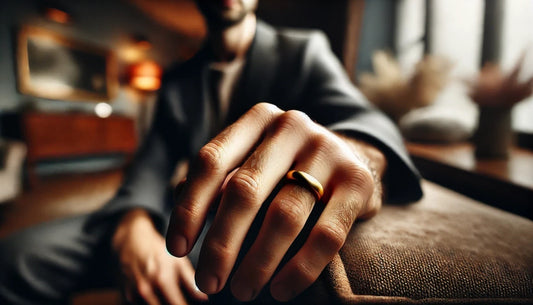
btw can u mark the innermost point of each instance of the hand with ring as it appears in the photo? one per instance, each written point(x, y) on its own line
point(242, 166)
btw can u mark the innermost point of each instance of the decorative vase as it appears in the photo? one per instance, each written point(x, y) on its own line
point(494, 135)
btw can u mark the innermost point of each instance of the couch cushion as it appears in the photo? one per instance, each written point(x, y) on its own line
point(444, 249)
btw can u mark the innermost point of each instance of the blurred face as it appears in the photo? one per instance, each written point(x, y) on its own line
point(225, 13)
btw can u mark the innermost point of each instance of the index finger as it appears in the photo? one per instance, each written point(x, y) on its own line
point(213, 163)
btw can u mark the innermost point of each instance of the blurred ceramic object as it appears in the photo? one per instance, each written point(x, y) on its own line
point(494, 135)
point(496, 92)
point(434, 129)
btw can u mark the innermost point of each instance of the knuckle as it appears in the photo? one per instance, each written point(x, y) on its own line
point(219, 252)
point(210, 157)
point(305, 273)
point(331, 237)
point(265, 109)
point(297, 117)
point(288, 214)
point(187, 211)
point(263, 113)
point(244, 185)
point(355, 173)
point(320, 140)
point(361, 178)
point(322, 143)
point(293, 119)
point(262, 269)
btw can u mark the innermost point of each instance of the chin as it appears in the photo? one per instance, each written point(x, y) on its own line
point(225, 12)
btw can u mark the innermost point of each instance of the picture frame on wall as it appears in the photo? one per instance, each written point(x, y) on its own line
point(53, 66)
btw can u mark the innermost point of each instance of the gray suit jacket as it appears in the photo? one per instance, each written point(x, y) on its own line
point(292, 69)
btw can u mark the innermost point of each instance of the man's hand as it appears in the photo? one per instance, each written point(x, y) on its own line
point(150, 274)
point(263, 145)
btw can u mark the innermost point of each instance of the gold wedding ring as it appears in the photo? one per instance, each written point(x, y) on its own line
point(307, 181)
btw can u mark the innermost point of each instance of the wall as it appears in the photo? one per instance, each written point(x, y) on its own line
point(377, 31)
point(410, 33)
point(105, 23)
point(517, 40)
point(455, 32)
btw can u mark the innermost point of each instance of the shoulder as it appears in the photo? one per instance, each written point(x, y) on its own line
point(294, 49)
point(291, 37)
point(303, 38)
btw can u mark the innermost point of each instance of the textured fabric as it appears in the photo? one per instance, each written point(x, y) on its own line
point(445, 249)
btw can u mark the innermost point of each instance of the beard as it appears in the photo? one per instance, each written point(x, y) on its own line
point(219, 16)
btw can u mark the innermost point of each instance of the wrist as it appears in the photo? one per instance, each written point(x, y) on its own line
point(376, 163)
point(372, 156)
point(131, 223)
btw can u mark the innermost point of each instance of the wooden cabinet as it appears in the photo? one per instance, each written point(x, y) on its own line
point(67, 136)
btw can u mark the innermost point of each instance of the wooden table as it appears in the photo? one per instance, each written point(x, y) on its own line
point(504, 183)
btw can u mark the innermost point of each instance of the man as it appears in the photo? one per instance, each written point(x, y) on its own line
point(314, 142)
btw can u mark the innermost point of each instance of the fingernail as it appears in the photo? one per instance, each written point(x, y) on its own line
point(179, 246)
point(207, 283)
point(242, 292)
point(280, 292)
point(245, 295)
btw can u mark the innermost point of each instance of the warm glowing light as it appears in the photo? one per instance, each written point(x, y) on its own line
point(103, 110)
point(146, 76)
point(57, 15)
point(146, 83)
point(130, 54)
point(134, 49)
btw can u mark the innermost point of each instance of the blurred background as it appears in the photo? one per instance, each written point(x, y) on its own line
point(78, 81)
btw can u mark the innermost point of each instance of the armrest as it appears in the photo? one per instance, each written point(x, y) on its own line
point(444, 249)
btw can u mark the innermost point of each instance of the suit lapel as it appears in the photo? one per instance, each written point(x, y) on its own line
point(192, 94)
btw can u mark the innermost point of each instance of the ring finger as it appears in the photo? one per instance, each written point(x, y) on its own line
point(284, 220)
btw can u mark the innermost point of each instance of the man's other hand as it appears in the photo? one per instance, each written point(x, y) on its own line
point(150, 274)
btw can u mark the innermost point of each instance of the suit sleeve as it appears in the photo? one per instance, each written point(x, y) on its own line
point(332, 100)
point(146, 181)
